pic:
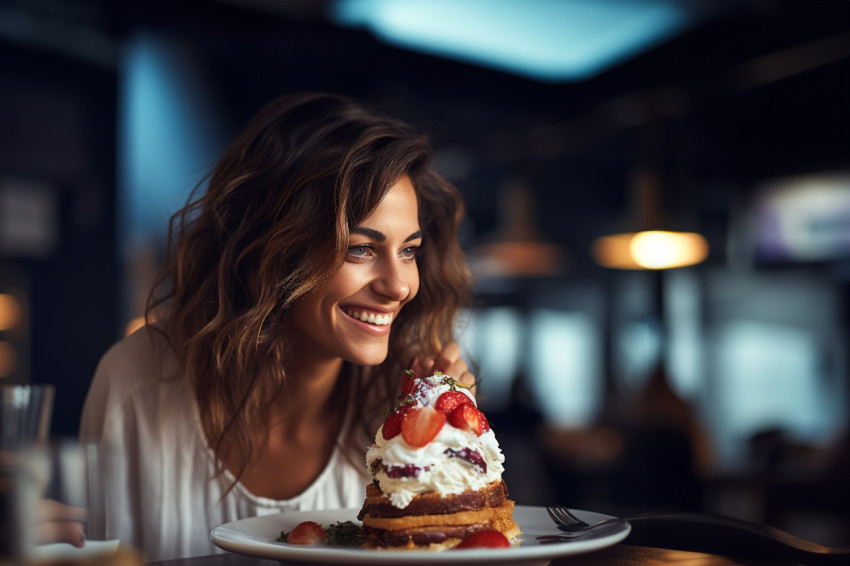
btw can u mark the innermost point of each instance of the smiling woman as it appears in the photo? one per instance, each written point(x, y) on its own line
point(320, 262)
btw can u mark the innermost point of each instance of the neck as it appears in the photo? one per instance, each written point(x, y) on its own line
point(304, 425)
point(309, 393)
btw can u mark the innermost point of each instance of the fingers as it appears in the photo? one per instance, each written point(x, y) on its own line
point(51, 510)
point(57, 522)
point(449, 362)
point(448, 359)
point(63, 531)
point(422, 366)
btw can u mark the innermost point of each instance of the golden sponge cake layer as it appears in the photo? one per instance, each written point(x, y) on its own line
point(435, 532)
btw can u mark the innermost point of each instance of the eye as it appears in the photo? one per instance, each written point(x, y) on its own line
point(410, 252)
point(360, 252)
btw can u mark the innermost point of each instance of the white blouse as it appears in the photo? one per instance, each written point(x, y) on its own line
point(159, 493)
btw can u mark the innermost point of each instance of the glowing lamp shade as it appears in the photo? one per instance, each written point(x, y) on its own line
point(655, 249)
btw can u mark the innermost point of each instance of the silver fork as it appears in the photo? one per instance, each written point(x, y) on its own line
point(567, 522)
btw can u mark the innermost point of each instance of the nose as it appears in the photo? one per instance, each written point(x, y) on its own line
point(393, 280)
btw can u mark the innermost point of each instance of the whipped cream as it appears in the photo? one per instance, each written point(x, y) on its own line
point(456, 460)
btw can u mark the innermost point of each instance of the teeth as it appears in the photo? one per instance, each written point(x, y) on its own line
point(372, 318)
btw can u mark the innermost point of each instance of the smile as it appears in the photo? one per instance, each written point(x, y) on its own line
point(371, 318)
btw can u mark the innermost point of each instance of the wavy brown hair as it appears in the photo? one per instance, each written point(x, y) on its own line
point(272, 225)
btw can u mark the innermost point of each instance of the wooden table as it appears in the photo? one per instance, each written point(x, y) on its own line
point(618, 555)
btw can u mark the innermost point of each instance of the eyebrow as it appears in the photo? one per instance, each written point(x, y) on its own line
point(380, 236)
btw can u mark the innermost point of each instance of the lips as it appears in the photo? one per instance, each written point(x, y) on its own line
point(370, 317)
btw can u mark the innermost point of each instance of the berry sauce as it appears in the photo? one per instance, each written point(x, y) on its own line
point(474, 457)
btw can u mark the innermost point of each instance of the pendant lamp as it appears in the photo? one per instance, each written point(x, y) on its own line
point(653, 244)
point(516, 249)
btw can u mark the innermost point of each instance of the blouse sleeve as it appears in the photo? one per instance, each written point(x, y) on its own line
point(110, 428)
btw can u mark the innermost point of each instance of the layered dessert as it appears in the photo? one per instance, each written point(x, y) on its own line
point(436, 471)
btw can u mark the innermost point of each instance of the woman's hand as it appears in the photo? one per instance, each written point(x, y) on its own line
point(449, 362)
point(57, 522)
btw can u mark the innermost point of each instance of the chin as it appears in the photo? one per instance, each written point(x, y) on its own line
point(369, 356)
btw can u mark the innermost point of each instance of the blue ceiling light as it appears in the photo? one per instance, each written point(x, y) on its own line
point(546, 40)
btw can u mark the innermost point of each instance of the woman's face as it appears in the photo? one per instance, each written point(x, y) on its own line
point(350, 315)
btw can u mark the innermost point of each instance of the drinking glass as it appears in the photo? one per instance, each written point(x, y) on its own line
point(25, 412)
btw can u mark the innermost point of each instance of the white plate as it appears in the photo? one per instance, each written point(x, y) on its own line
point(64, 551)
point(256, 537)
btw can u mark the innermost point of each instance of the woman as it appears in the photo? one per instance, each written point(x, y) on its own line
point(320, 263)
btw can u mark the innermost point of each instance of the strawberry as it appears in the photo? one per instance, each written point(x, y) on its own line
point(392, 426)
point(308, 532)
point(420, 425)
point(408, 380)
point(450, 400)
point(467, 417)
point(485, 539)
point(421, 392)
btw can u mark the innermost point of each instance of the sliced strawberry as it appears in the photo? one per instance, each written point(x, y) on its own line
point(420, 425)
point(308, 532)
point(450, 400)
point(485, 539)
point(392, 426)
point(408, 380)
point(468, 417)
point(421, 392)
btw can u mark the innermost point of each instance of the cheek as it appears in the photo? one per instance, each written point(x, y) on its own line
point(344, 283)
point(315, 307)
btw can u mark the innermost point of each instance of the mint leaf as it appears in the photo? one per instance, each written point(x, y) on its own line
point(345, 534)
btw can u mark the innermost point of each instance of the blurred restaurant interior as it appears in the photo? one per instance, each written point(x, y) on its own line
point(615, 382)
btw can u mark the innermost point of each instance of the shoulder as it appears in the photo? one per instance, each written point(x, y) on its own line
point(141, 346)
point(138, 359)
point(132, 372)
